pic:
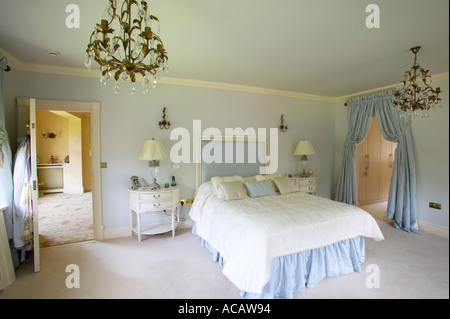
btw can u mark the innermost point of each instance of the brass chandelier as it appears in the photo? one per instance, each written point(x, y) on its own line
point(126, 44)
point(416, 96)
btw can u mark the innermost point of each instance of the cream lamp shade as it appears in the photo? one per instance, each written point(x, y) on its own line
point(303, 149)
point(153, 151)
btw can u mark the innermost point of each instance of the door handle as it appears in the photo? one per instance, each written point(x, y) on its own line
point(367, 162)
point(391, 160)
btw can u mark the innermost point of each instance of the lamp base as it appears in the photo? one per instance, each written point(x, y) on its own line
point(304, 174)
point(154, 185)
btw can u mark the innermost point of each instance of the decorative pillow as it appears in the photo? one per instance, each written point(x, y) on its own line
point(218, 179)
point(284, 185)
point(233, 190)
point(269, 177)
point(261, 188)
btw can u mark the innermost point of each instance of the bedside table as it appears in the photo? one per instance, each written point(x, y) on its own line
point(145, 201)
point(306, 184)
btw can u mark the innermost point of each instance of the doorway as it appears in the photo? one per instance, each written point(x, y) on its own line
point(63, 148)
point(26, 115)
point(375, 165)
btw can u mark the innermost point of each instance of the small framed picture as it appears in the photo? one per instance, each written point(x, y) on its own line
point(135, 182)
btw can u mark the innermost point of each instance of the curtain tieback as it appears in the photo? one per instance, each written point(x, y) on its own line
point(404, 130)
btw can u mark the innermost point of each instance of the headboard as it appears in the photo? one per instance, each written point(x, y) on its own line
point(229, 156)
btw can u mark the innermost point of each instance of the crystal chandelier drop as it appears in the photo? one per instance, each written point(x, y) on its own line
point(126, 44)
point(416, 96)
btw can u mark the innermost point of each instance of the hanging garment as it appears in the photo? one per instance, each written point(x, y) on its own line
point(6, 179)
point(22, 194)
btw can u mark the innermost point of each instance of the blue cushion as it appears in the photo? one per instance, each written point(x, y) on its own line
point(258, 189)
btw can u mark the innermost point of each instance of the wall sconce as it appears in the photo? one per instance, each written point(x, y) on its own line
point(164, 124)
point(283, 128)
point(48, 135)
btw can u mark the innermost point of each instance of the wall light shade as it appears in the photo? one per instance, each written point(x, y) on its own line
point(153, 151)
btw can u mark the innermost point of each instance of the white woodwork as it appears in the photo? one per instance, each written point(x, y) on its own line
point(147, 201)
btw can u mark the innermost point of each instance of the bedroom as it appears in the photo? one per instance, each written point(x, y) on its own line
point(226, 87)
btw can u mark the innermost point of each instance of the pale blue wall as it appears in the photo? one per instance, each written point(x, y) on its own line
point(128, 120)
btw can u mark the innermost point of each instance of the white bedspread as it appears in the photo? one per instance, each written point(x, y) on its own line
point(248, 233)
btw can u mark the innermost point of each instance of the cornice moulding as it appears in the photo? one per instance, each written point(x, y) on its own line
point(60, 70)
point(437, 77)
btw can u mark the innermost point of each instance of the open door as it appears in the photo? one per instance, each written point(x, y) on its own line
point(34, 196)
point(27, 123)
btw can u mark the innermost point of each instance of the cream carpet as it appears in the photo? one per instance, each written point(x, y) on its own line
point(65, 218)
point(411, 266)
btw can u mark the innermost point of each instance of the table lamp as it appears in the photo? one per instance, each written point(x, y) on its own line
point(303, 149)
point(153, 151)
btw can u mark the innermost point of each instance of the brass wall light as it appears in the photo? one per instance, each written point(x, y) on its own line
point(283, 128)
point(164, 124)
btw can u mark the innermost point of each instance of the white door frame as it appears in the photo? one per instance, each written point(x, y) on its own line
point(94, 109)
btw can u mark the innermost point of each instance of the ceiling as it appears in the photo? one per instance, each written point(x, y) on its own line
point(312, 47)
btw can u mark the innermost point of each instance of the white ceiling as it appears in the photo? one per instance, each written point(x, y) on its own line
point(319, 47)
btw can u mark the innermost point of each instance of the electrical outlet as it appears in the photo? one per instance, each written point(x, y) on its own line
point(187, 201)
point(434, 205)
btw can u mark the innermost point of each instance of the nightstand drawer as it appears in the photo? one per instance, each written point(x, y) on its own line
point(307, 181)
point(308, 189)
point(155, 197)
point(162, 204)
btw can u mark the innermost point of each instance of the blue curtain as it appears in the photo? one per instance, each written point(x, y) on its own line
point(402, 194)
point(6, 179)
point(360, 112)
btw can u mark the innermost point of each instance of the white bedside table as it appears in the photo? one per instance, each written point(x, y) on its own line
point(143, 201)
point(306, 184)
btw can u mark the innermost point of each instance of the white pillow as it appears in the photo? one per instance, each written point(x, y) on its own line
point(233, 190)
point(267, 177)
point(218, 179)
point(284, 185)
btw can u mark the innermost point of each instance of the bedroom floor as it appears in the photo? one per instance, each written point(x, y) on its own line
point(411, 266)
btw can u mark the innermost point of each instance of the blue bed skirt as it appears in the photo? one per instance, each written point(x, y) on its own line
point(293, 273)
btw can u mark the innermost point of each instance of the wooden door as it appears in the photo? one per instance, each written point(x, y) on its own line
point(375, 161)
point(27, 122)
point(34, 195)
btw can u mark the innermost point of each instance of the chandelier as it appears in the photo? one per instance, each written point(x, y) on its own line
point(416, 96)
point(126, 44)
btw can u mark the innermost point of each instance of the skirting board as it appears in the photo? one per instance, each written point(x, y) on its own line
point(432, 228)
point(126, 232)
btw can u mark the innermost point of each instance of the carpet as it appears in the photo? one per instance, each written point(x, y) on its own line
point(65, 218)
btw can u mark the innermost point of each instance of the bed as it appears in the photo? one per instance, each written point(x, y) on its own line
point(275, 243)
